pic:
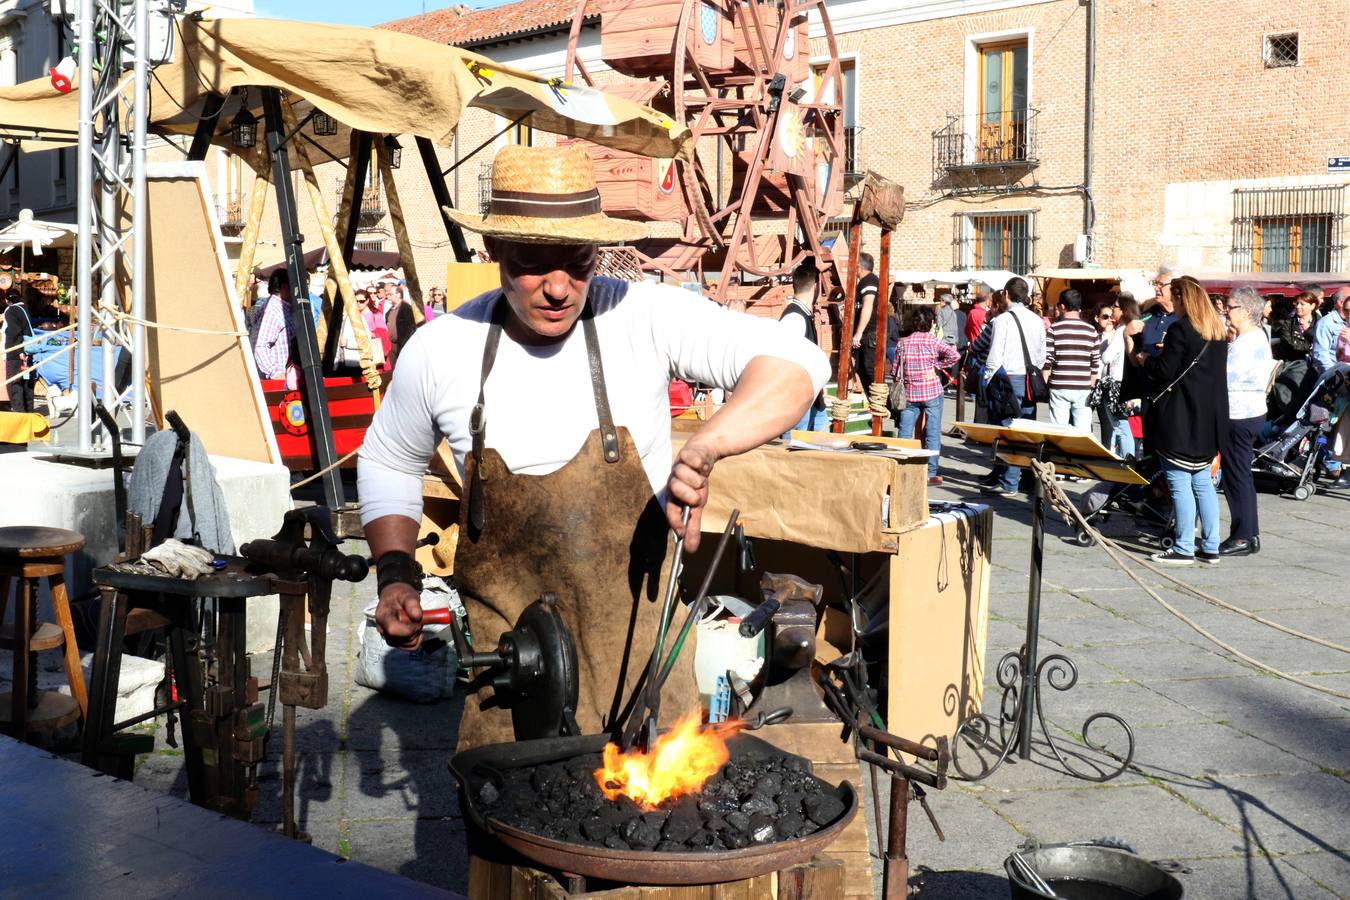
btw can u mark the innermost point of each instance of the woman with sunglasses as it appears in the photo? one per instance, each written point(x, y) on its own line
point(1249, 366)
point(1116, 432)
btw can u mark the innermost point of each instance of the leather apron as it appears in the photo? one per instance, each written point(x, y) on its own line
point(593, 534)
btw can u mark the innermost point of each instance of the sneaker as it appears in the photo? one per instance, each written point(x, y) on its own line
point(994, 490)
point(935, 481)
point(1207, 558)
point(1170, 557)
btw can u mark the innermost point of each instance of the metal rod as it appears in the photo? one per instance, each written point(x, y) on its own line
point(139, 216)
point(206, 126)
point(84, 218)
point(895, 881)
point(700, 599)
point(898, 743)
point(1027, 701)
point(913, 773)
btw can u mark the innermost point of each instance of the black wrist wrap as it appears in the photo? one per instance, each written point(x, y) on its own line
point(397, 567)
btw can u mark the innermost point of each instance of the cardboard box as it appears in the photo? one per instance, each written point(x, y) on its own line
point(939, 623)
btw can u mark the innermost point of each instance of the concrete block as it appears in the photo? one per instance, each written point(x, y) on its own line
point(41, 491)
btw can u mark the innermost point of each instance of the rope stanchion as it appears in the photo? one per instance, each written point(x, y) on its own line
point(1060, 502)
point(877, 395)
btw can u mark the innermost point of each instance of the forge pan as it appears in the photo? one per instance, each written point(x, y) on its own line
point(472, 767)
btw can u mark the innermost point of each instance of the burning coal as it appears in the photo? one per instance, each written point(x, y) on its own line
point(680, 763)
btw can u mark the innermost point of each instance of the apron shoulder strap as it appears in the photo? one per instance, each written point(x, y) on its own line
point(609, 435)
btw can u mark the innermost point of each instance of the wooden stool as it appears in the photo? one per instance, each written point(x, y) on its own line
point(28, 553)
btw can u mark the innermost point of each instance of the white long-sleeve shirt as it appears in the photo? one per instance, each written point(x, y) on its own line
point(1113, 354)
point(1005, 350)
point(538, 402)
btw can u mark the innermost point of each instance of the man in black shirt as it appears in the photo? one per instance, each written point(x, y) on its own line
point(18, 326)
point(864, 320)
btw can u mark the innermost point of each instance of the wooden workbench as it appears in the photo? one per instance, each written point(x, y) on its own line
point(75, 832)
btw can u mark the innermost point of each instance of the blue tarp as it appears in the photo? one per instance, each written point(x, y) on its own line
point(58, 372)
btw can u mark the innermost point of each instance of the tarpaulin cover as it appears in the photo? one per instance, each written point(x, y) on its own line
point(379, 81)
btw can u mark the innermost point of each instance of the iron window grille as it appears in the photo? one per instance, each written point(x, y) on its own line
point(484, 188)
point(994, 241)
point(1281, 50)
point(1299, 229)
point(852, 166)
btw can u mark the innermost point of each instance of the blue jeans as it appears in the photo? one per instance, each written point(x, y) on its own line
point(1010, 477)
point(811, 420)
point(1192, 492)
point(932, 430)
point(1116, 434)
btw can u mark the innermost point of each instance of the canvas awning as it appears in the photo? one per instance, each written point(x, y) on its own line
point(379, 81)
point(361, 259)
point(35, 235)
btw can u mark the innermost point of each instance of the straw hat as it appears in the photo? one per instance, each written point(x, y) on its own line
point(548, 195)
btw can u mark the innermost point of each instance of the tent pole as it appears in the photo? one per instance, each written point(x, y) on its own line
point(206, 126)
point(139, 216)
point(405, 247)
point(348, 219)
point(427, 150)
point(84, 217)
point(311, 365)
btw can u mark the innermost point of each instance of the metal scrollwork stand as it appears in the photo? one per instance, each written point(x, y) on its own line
point(1021, 675)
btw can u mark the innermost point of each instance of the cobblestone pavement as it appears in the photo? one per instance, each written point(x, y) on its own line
point(1239, 776)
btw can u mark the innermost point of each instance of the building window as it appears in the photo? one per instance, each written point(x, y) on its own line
point(521, 135)
point(1281, 50)
point(1289, 229)
point(848, 81)
point(1003, 112)
point(995, 241)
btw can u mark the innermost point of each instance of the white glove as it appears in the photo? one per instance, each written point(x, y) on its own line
point(180, 560)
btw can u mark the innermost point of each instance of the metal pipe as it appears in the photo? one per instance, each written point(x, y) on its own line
point(109, 231)
point(84, 218)
point(139, 217)
point(1028, 698)
point(1089, 97)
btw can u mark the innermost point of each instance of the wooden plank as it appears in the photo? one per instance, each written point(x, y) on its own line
point(819, 878)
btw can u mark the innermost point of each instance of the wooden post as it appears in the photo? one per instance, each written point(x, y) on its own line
point(883, 311)
point(846, 327)
point(257, 205)
point(405, 247)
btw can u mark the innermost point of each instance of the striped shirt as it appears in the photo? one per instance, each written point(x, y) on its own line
point(1072, 354)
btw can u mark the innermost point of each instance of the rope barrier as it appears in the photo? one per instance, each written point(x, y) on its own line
point(186, 329)
point(324, 471)
point(878, 393)
point(38, 335)
point(23, 373)
point(1045, 473)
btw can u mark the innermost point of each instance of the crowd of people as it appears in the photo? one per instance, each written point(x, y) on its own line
point(386, 311)
point(1181, 382)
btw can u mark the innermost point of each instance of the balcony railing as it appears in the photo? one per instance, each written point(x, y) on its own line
point(484, 188)
point(372, 204)
point(972, 142)
point(231, 213)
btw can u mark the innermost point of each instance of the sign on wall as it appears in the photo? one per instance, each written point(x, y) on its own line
point(1338, 163)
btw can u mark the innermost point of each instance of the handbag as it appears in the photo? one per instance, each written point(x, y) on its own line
point(896, 400)
point(1037, 390)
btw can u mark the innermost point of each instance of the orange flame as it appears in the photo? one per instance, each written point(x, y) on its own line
point(679, 763)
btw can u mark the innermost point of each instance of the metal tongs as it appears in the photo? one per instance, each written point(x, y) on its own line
point(642, 723)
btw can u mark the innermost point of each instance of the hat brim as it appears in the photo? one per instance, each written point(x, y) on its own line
point(597, 228)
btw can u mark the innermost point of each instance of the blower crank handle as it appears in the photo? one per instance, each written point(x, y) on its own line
point(430, 540)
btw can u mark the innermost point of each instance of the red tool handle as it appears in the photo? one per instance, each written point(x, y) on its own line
point(436, 616)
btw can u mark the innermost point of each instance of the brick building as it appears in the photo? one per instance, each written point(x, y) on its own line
point(1211, 136)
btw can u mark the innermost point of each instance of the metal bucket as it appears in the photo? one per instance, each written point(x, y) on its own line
point(1092, 872)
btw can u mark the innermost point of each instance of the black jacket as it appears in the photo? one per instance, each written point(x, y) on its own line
point(1288, 342)
point(1189, 421)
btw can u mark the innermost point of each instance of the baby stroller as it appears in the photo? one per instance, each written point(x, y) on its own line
point(1296, 443)
point(1148, 505)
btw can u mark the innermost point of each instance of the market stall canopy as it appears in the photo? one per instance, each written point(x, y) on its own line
point(35, 234)
point(361, 259)
point(994, 278)
point(374, 80)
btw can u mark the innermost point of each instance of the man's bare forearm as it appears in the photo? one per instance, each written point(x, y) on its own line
point(391, 533)
point(769, 398)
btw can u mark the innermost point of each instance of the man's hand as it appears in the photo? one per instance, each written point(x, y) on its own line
point(857, 343)
point(398, 616)
point(688, 487)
